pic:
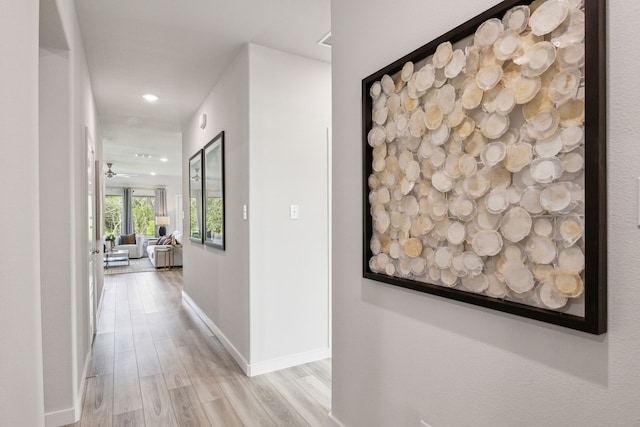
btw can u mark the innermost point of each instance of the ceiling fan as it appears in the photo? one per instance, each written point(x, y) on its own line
point(110, 173)
point(196, 176)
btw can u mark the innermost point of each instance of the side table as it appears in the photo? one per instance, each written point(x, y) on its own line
point(167, 257)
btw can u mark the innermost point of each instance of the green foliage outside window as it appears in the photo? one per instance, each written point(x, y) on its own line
point(143, 213)
point(142, 210)
point(113, 214)
point(214, 215)
point(193, 217)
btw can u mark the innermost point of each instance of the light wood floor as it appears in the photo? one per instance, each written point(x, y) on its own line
point(155, 363)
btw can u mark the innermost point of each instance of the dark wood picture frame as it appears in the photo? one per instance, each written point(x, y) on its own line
point(214, 206)
point(196, 198)
point(594, 320)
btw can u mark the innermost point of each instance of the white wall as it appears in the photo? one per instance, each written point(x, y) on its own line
point(55, 223)
point(66, 109)
point(26, 392)
point(401, 356)
point(275, 110)
point(218, 281)
point(84, 115)
point(21, 387)
point(290, 114)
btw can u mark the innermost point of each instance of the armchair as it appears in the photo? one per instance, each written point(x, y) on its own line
point(135, 250)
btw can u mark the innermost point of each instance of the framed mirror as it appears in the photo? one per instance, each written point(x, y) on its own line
point(195, 197)
point(214, 192)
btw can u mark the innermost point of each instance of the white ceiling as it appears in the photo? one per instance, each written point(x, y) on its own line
point(178, 50)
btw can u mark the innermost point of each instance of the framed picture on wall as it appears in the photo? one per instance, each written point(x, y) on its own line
point(484, 156)
point(196, 211)
point(214, 217)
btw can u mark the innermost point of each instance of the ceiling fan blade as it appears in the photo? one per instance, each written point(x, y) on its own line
point(111, 174)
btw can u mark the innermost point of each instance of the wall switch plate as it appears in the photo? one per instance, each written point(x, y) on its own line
point(294, 212)
point(244, 212)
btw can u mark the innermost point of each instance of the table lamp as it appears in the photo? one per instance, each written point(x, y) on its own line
point(161, 221)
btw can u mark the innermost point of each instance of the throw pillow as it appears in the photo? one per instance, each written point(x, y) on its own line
point(161, 241)
point(128, 239)
point(177, 237)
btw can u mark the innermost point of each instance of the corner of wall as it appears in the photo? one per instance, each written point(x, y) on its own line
point(288, 165)
point(67, 110)
point(237, 356)
point(218, 281)
point(335, 422)
point(72, 414)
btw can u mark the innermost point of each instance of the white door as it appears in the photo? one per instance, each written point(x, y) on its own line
point(92, 243)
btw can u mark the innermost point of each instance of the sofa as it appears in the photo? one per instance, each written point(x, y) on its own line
point(135, 250)
point(176, 245)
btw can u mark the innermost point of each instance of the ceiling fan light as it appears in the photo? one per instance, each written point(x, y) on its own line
point(109, 173)
point(196, 176)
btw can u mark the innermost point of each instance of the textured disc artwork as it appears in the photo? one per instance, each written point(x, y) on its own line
point(478, 154)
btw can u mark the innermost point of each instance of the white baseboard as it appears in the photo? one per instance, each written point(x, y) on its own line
point(60, 418)
point(259, 368)
point(334, 421)
point(237, 356)
point(288, 361)
point(83, 384)
point(73, 414)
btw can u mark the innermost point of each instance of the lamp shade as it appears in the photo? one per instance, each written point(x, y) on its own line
point(162, 220)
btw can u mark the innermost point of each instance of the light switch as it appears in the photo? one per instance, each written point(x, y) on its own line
point(294, 212)
point(244, 212)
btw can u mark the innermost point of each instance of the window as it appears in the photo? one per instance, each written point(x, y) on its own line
point(143, 213)
point(113, 214)
point(214, 216)
point(193, 218)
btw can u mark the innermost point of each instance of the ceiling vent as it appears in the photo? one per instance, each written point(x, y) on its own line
point(326, 40)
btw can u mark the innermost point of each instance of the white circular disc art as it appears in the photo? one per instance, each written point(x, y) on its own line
point(477, 153)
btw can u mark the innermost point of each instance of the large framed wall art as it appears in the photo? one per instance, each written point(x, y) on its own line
point(196, 197)
point(214, 217)
point(484, 164)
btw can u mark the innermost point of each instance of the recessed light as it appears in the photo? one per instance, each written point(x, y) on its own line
point(150, 97)
point(152, 174)
point(164, 159)
point(143, 156)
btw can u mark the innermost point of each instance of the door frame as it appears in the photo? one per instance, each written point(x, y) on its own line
point(93, 214)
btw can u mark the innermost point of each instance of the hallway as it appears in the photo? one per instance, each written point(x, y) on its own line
point(155, 363)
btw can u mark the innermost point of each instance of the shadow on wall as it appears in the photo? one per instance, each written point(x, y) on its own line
point(544, 343)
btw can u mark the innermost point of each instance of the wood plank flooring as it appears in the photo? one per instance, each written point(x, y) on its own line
point(155, 363)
